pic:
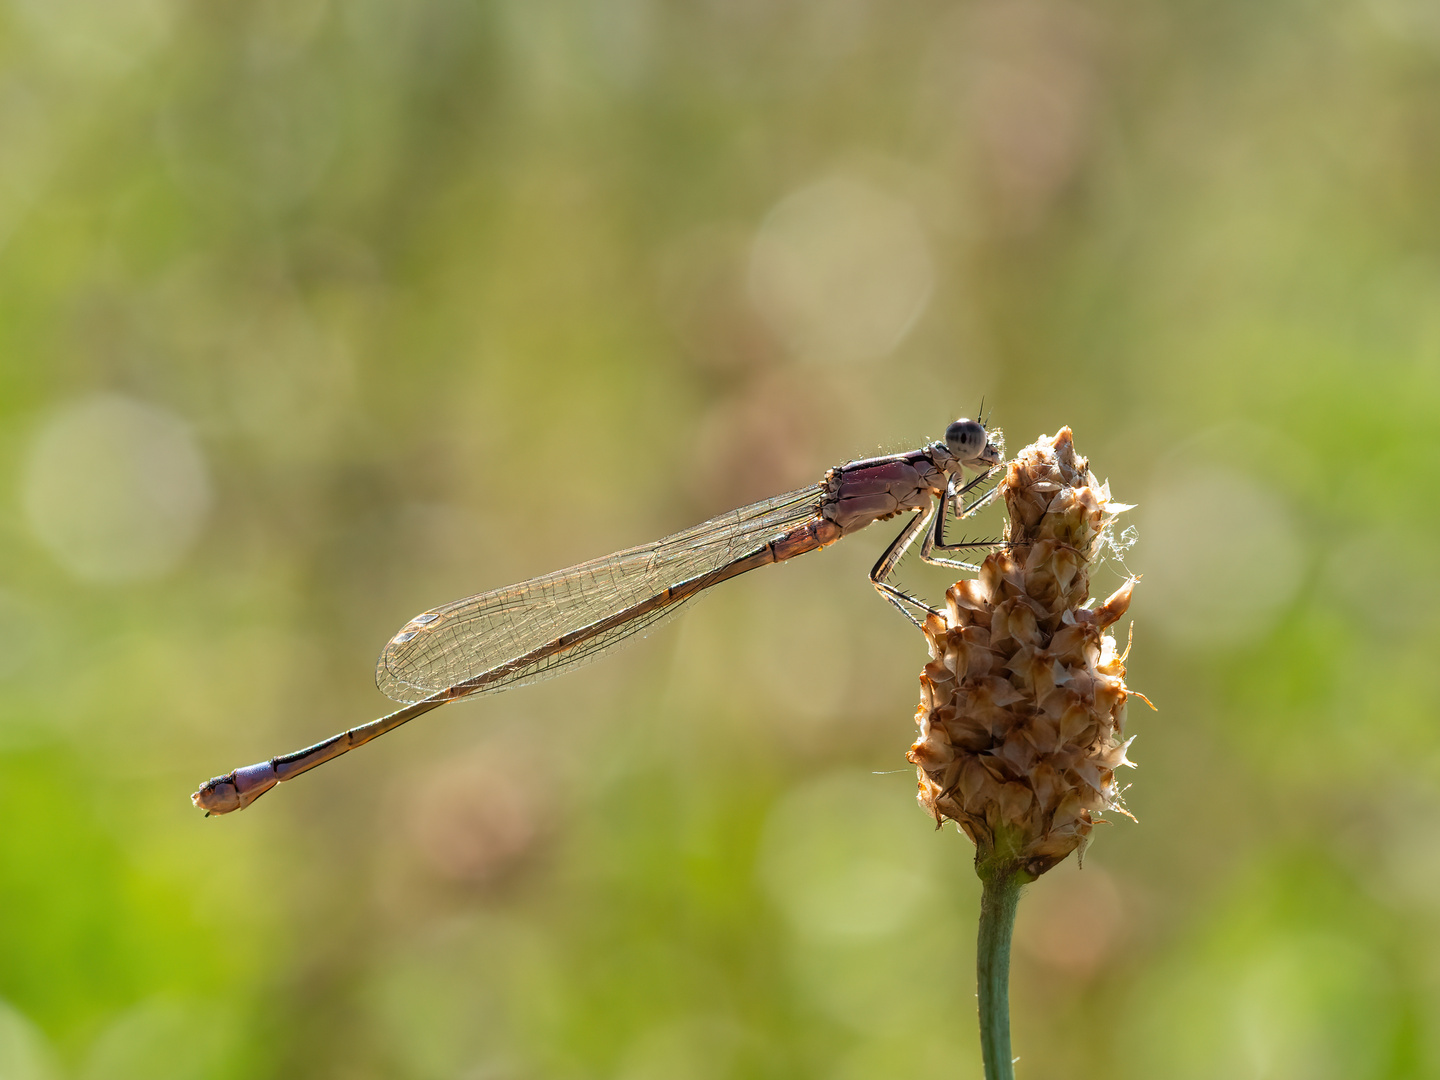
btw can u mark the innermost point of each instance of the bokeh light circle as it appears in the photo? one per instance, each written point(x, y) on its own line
point(115, 489)
point(96, 37)
point(845, 857)
point(1222, 558)
point(841, 271)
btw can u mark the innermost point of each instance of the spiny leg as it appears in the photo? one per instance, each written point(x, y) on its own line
point(935, 538)
point(882, 570)
point(880, 573)
point(971, 486)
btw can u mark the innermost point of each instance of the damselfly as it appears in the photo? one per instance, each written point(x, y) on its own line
point(526, 632)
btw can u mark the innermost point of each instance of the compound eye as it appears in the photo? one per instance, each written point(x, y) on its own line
point(965, 439)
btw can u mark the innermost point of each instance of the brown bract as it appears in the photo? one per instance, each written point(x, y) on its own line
point(1022, 706)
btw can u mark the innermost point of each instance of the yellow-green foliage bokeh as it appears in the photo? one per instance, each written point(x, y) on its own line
point(314, 315)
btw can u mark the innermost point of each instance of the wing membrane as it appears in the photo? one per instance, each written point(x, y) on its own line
point(461, 641)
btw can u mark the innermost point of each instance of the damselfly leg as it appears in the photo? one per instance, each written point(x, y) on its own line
point(935, 539)
point(950, 504)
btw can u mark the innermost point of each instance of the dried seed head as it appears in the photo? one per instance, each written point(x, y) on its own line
point(1022, 706)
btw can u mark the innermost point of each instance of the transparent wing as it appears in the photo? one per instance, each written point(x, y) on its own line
point(464, 640)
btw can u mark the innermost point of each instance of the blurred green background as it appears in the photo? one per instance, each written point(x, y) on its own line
point(314, 315)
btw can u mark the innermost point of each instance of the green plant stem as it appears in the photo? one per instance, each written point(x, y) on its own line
point(998, 900)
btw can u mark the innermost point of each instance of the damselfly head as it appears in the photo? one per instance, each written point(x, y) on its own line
point(967, 440)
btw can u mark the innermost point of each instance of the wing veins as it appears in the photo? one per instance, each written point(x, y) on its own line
point(466, 638)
